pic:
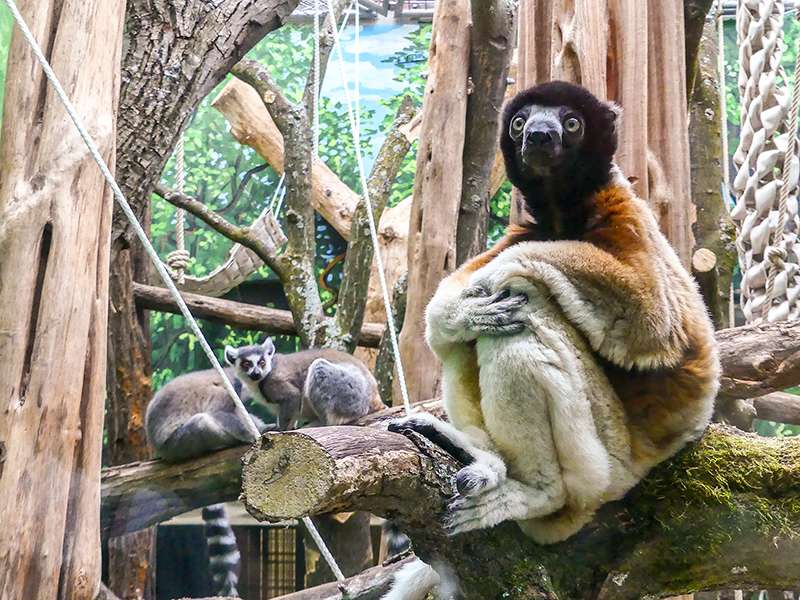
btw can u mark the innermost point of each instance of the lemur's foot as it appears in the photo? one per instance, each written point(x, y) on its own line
point(444, 435)
point(488, 509)
point(482, 471)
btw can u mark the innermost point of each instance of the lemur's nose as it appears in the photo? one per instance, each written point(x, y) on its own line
point(539, 138)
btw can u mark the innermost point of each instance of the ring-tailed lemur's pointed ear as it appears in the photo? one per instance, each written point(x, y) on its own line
point(230, 355)
point(269, 346)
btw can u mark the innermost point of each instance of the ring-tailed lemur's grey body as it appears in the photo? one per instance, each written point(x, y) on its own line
point(190, 416)
point(323, 386)
point(193, 415)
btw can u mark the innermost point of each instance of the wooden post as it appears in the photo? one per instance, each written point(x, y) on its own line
point(55, 214)
point(667, 123)
point(437, 187)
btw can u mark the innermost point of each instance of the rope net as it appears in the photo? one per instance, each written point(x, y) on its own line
point(765, 184)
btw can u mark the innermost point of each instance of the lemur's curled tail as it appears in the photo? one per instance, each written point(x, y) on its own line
point(223, 553)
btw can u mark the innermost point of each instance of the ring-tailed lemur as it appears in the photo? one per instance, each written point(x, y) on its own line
point(190, 416)
point(323, 386)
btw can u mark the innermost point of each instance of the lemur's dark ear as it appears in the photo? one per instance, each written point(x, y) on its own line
point(269, 346)
point(230, 355)
point(617, 111)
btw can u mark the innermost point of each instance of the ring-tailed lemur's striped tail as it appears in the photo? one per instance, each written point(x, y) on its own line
point(223, 553)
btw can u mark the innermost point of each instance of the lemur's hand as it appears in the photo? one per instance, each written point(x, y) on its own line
point(480, 313)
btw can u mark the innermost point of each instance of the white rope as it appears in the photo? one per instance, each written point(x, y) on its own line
point(123, 203)
point(179, 258)
point(315, 99)
point(373, 231)
point(357, 69)
point(323, 549)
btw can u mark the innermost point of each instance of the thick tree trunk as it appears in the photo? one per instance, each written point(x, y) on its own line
point(714, 229)
point(173, 60)
point(437, 187)
point(55, 217)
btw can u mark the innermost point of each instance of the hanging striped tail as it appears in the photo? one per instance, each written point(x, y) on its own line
point(223, 553)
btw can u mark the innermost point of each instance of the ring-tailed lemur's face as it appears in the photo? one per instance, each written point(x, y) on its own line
point(251, 362)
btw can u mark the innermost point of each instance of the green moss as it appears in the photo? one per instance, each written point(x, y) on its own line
point(755, 482)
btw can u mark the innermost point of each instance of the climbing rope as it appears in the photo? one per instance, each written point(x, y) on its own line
point(769, 270)
point(776, 253)
point(373, 231)
point(179, 258)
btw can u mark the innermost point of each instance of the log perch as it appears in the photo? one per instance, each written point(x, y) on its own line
point(722, 513)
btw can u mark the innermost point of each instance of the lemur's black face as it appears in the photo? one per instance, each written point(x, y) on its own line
point(558, 129)
point(546, 137)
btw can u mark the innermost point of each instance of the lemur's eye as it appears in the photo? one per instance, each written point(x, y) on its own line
point(261, 363)
point(572, 125)
point(517, 125)
point(246, 364)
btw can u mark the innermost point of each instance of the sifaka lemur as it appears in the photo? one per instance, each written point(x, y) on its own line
point(577, 353)
point(322, 386)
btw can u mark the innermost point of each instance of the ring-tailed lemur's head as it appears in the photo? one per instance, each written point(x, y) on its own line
point(251, 362)
point(554, 128)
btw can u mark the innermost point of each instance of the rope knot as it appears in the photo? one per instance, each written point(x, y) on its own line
point(776, 255)
point(178, 260)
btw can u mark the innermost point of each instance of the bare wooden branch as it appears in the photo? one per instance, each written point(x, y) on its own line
point(238, 314)
point(780, 407)
point(252, 126)
point(694, 21)
point(384, 361)
point(369, 585)
point(360, 252)
point(299, 280)
point(140, 494)
point(759, 359)
point(325, 43)
point(241, 235)
point(678, 511)
point(491, 45)
point(437, 186)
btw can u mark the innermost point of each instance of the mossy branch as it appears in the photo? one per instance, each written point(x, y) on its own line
point(724, 513)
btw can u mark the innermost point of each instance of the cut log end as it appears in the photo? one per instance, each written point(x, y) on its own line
point(704, 261)
point(291, 479)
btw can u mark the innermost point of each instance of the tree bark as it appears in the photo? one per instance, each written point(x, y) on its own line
point(714, 229)
point(779, 407)
point(174, 59)
point(55, 218)
point(237, 314)
point(492, 42)
point(694, 24)
point(437, 186)
point(723, 503)
point(667, 123)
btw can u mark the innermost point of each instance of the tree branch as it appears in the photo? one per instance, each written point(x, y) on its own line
point(724, 503)
point(491, 45)
point(299, 281)
point(241, 235)
point(238, 314)
point(759, 359)
point(325, 48)
point(779, 407)
point(168, 494)
point(360, 252)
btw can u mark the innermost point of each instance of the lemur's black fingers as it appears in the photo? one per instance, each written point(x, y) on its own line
point(429, 430)
point(470, 483)
point(476, 291)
